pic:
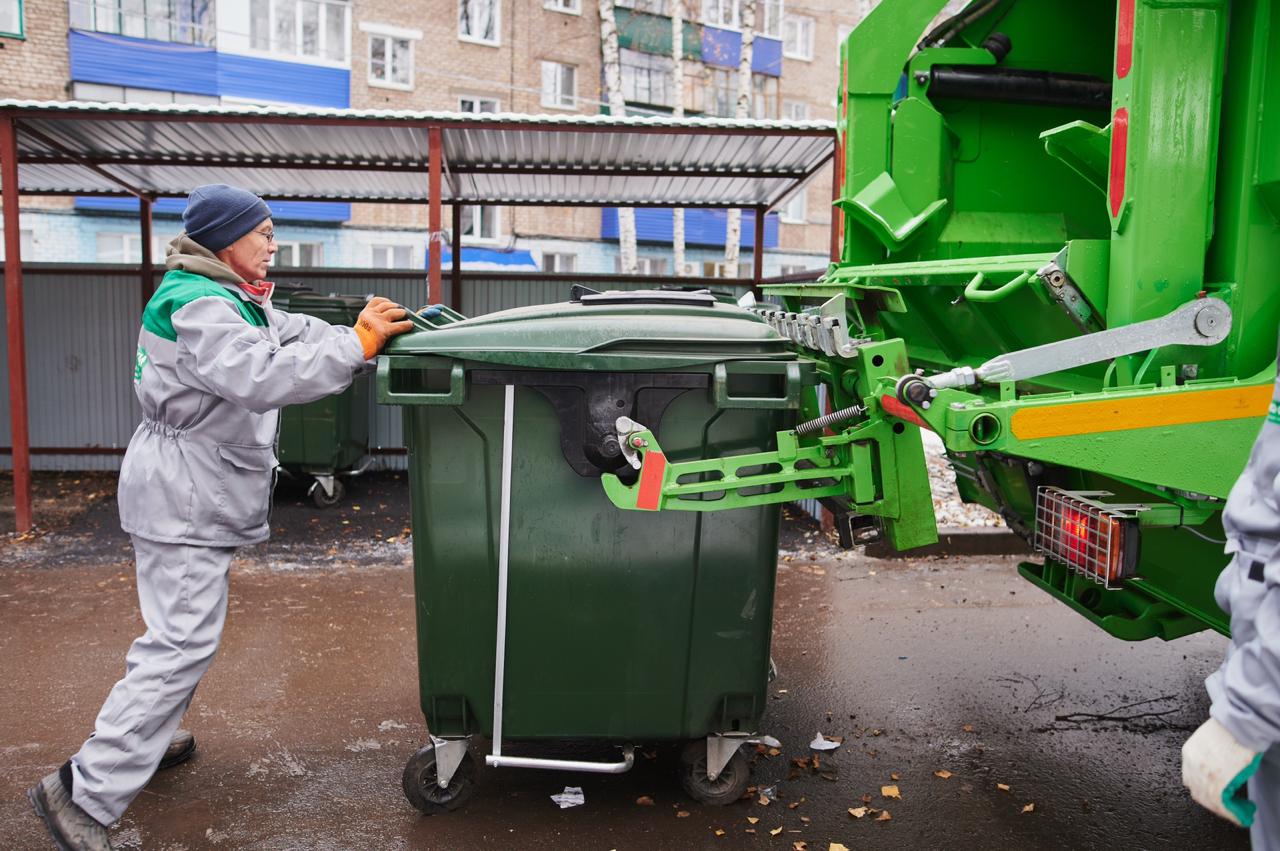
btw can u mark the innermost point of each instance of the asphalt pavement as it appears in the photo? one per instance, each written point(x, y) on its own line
point(973, 711)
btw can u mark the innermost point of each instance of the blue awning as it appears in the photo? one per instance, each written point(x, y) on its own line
point(478, 259)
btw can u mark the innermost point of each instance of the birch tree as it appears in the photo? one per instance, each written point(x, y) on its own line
point(618, 107)
point(733, 227)
point(677, 94)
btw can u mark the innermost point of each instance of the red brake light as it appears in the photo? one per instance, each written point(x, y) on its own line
point(1085, 535)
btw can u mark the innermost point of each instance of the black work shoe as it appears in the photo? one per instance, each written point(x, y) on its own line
point(180, 749)
point(72, 828)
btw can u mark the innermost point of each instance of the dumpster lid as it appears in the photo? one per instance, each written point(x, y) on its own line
point(618, 331)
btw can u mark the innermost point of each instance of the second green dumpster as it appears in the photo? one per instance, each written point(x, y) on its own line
point(543, 612)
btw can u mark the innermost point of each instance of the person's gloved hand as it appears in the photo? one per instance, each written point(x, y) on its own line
point(1216, 768)
point(378, 324)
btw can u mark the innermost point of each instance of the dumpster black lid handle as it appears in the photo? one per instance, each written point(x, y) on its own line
point(697, 297)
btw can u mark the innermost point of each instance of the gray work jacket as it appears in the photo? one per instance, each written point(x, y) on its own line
point(213, 369)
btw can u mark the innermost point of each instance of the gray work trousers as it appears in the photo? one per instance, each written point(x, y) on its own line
point(182, 592)
point(1264, 790)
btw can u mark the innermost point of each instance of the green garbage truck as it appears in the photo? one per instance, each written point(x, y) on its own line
point(1060, 230)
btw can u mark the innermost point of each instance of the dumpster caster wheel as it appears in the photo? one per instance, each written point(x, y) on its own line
point(324, 500)
point(425, 793)
point(728, 787)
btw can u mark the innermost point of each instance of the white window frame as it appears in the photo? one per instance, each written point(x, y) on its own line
point(656, 71)
point(566, 7)
point(479, 99)
point(496, 41)
point(566, 262)
point(18, 18)
point(391, 35)
point(489, 213)
point(795, 110)
point(796, 210)
point(804, 28)
point(391, 247)
point(295, 246)
point(727, 15)
point(770, 11)
point(296, 55)
point(555, 97)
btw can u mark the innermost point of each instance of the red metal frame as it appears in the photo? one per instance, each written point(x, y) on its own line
point(14, 319)
point(148, 263)
point(435, 154)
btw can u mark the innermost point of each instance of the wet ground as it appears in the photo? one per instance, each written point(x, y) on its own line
point(952, 667)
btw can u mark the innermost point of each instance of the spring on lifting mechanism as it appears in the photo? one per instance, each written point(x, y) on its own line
point(816, 426)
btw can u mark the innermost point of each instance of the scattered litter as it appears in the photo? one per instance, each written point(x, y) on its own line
point(682, 814)
point(884, 816)
point(775, 831)
point(836, 846)
point(1029, 808)
point(391, 725)
point(943, 773)
point(769, 742)
point(768, 793)
point(890, 792)
point(1003, 787)
point(752, 820)
point(719, 832)
point(644, 801)
point(822, 743)
point(571, 797)
point(857, 812)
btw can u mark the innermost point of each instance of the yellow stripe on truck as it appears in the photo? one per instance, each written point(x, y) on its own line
point(1165, 409)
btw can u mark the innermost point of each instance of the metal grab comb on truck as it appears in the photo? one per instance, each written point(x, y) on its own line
point(1059, 241)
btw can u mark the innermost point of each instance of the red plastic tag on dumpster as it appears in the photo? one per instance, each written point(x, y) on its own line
point(651, 476)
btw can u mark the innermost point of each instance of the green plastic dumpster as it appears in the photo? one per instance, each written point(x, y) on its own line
point(329, 437)
point(545, 614)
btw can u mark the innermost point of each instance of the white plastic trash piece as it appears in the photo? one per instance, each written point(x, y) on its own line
point(571, 797)
point(767, 741)
point(747, 299)
point(821, 743)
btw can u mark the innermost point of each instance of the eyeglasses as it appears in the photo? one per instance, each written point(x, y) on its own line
point(269, 234)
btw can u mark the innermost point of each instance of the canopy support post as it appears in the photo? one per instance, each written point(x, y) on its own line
point(434, 154)
point(148, 262)
point(455, 274)
point(757, 256)
point(14, 322)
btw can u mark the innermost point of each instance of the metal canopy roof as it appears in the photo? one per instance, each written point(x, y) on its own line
point(78, 148)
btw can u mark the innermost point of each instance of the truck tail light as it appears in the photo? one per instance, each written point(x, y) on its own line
point(1090, 537)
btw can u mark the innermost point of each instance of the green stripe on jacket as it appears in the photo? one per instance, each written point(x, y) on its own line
point(178, 289)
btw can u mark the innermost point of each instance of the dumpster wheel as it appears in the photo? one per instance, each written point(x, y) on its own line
point(324, 499)
point(425, 793)
point(729, 785)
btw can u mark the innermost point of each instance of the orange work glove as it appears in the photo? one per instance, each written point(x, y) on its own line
point(377, 324)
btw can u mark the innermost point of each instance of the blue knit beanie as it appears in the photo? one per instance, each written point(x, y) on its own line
point(217, 214)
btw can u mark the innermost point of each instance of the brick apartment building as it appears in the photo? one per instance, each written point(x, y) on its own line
point(526, 56)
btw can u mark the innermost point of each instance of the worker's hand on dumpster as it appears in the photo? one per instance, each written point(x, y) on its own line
point(1216, 768)
point(380, 320)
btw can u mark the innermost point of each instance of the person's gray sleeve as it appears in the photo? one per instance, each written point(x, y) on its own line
point(301, 328)
point(223, 354)
point(1247, 702)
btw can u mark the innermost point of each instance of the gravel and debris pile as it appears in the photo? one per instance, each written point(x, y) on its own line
point(947, 506)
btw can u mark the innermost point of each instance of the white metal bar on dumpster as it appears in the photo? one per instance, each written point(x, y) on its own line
point(504, 549)
point(628, 760)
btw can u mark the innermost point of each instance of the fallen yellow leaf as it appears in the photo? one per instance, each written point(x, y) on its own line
point(890, 792)
point(719, 832)
point(857, 812)
point(1003, 787)
point(752, 819)
point(774, 752)
point(764, 802)
point(799, 845)
point(775, 831)
point(943, 773)
point(894, 776)
point(1029, 808)
point(682, 814)
point(644, 801)
point(836, 846)
point(884, 816)
point(968, 728)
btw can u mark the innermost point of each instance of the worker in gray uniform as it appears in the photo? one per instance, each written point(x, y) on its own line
point(215, 363)
point(1231, 763)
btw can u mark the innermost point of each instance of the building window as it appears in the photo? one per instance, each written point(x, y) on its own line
point(559, 262)
point(728, 14)
point(795, 110)
point(126, 247)
point(646, 78)
point(26, 244)
point(794, 212)
point(478, 20)
point(651, 266)
point(787, 269)
point(391, 257)
point(11, 18)
point(653, 7)
point(479, 224)
point(572, 7)
point(765, 103)
point(391, 55)
point(559, 85)
point(317, 29)
point(721, 94)
point(128, 94)
point(159, 20)
point(299, 254)
point(797, 37)
point(467, 103)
